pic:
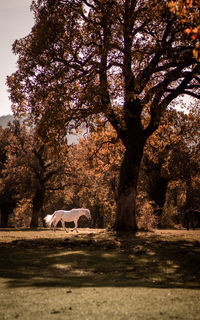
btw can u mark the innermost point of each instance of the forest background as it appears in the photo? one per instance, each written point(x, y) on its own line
point(36, 179)
point(112, 79)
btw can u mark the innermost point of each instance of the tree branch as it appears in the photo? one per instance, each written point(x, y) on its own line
point(113, 141)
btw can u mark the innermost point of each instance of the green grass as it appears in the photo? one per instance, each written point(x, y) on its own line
point(97, 275)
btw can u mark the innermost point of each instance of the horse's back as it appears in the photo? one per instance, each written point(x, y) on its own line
point(62, 211)
point(72, 214)
point(66, 213)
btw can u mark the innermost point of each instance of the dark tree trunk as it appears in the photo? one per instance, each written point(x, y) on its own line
point(157, 192)
point(38, 201)
point(7, 207)
point(98, 218)
point(4, 218)
point(189, 195)
point(126, 200)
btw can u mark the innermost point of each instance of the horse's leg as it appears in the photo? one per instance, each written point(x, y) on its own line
point(76, 225)
point(55, 222)
point(53, 225)
point(63, 224)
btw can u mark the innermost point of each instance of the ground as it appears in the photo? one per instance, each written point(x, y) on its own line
point(96, 274)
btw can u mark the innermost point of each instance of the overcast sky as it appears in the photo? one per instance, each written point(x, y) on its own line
point(16, 21)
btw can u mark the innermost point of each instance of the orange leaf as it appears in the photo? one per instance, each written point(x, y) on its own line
point(188, 31)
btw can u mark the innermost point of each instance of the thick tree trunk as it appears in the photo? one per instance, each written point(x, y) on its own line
point(38, 201)
point(4, 218)
point(97, 219)
point(189, 195)
point(157, 193)
point(7, 208)
point(126, 201)
point(126, 204)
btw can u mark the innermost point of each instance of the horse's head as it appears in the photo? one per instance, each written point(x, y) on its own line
point(87, 213)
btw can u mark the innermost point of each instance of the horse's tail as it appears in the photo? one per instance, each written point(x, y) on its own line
point(49, 219)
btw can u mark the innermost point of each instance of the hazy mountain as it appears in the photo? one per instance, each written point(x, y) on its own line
point(5, 119)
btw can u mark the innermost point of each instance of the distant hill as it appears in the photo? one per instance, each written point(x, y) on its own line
point(5, 119)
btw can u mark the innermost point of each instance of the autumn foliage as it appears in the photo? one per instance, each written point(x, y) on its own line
point(189, 13)
point(85, 174)
point(122, 62)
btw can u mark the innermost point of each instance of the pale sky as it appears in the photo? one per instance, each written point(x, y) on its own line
point(16, 21)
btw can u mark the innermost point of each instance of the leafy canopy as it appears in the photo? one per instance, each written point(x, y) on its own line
point(189, 13)
point(119, 59)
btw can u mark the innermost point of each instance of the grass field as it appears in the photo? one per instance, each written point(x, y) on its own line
point(97, 275)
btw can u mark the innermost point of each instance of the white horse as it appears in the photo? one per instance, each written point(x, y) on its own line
point(67, 216)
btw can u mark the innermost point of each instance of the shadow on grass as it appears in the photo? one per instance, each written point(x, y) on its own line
point(88, 262)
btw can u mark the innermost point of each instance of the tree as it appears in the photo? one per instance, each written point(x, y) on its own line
point(14, 181)
point(189, 13)
point(183, 159)
point(95, 162)
point(31, 169)
point(119, 60)
point(8, 187)
point(170, 168)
